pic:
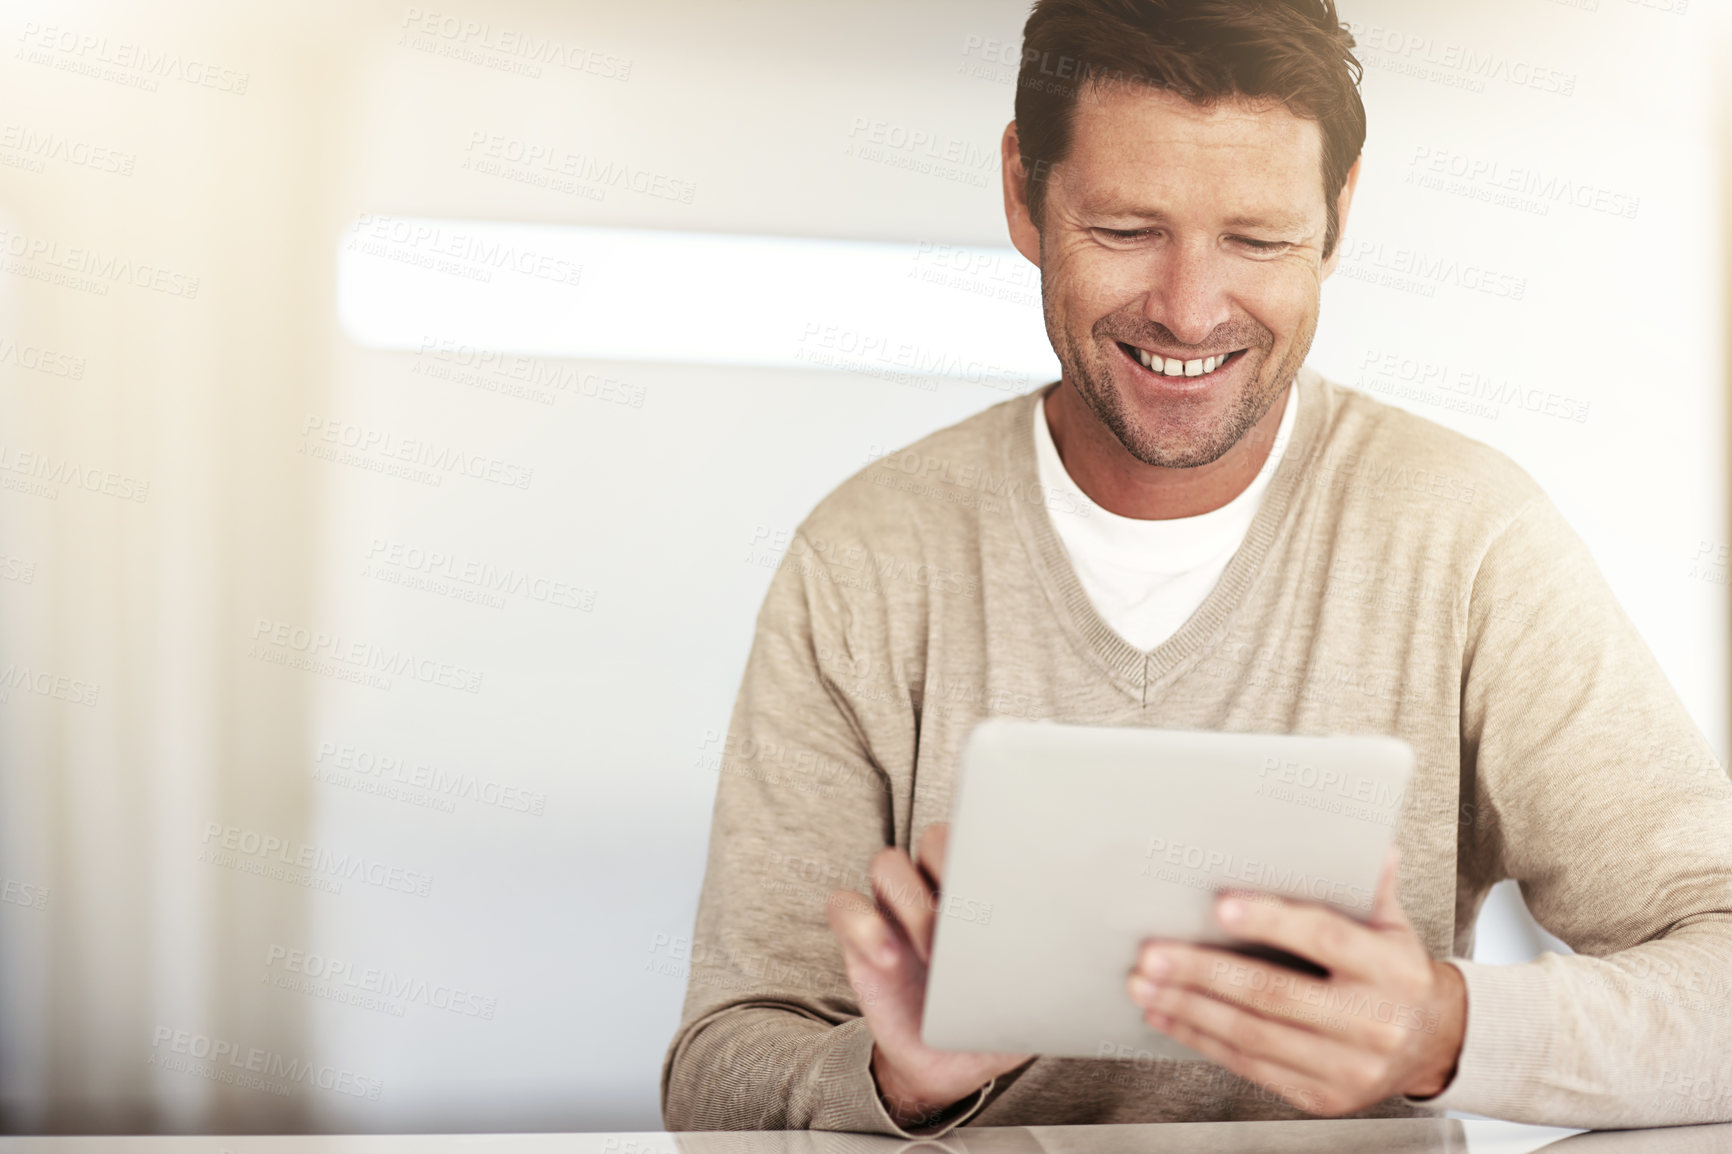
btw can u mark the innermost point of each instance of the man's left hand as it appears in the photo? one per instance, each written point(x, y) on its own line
point(1387, 1020)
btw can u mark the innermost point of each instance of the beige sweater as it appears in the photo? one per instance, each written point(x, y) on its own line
point(1399, 579)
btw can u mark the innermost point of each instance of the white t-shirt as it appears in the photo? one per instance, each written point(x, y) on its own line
point(1146, 578)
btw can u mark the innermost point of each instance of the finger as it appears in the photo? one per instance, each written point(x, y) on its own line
point(1375, 1020)
point(929, 851)
point(905, 898)
point(1386, 911)
point(1297, 1047)
point(879, 964)
point(1332, 940)
point(862, 930)
point(1271, 990)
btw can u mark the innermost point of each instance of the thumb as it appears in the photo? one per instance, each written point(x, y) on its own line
point(929, 851)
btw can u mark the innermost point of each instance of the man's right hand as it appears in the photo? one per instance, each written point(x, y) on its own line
point(886, 944)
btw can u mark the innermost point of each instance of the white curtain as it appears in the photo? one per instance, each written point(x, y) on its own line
point(167, 297)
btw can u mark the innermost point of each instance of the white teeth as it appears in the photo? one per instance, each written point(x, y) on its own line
point(1172, 368)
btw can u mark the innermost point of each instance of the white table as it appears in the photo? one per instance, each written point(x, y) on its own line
point(1323, 1136)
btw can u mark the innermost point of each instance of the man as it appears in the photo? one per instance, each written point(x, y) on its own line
point(1261, 551)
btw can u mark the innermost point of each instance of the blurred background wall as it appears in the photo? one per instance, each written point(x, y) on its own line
point(452, 893)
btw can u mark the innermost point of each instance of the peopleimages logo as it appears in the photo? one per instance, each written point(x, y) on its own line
point(41, 360)
point(473, 254)
point(1218, 865)
point(341, 981)
point(35, 147)
point(482, 576)
point(347, 762)
point(221, 1060)
point(138, 65)
point(309, 648)
point(526, 47)
point(328, 438)
point(54, 472)
point(104, 268)
point(969, 476)
point(264, 852)
point(58, 686)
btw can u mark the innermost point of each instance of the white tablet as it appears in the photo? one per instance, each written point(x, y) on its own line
point(1070, 844)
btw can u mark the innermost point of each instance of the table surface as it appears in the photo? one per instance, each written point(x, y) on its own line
point(1321, 1136)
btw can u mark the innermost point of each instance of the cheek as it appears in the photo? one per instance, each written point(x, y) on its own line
point(1281, 302)
point(1096, 284)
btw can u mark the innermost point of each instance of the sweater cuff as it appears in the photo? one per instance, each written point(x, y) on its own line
point(1507, 1047)
point(848, 1098)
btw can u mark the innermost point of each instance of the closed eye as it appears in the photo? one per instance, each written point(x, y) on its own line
point(1263, 245)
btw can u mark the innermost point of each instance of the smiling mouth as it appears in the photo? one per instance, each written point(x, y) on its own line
point(1162, 366)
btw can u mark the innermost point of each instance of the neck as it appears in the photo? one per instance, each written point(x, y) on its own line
point(1119, 483)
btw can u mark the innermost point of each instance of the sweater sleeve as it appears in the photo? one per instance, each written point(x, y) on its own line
point(1593, 789)
point(771, 1035)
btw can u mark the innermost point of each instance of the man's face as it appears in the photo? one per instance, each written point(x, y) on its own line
point(1182, 235)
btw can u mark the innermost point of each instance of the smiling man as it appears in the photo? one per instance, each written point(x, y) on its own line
point(1191, 530)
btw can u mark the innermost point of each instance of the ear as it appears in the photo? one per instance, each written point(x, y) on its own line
point(1023, 233)
point(1342, 204)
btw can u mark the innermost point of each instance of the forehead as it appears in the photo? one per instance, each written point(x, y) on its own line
point(1143, 148)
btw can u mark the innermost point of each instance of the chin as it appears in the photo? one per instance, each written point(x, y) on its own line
point(1184, 432)
point(1155, 438)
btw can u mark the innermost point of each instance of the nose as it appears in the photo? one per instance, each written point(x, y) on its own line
point(1189, 293)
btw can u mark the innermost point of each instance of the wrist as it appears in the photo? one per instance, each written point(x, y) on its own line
point(908, 1107)
point(1446, 1030)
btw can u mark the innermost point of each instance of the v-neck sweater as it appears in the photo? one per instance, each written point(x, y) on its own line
point(1146, 577)
point(1399, 578)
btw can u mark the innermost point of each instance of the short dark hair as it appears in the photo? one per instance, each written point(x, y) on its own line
point(1295, 52)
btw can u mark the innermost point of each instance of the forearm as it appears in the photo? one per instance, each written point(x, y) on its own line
point(1642, 1037)
point(758, 1068)
point(764, 1068)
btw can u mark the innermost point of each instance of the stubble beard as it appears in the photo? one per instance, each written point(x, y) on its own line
point(1088, 368)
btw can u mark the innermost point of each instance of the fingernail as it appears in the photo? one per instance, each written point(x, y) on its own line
point(1142, 990)
point(1156, 964)
point(1231, 911)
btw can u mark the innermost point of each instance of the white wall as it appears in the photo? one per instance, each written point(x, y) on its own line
point(598, 718)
